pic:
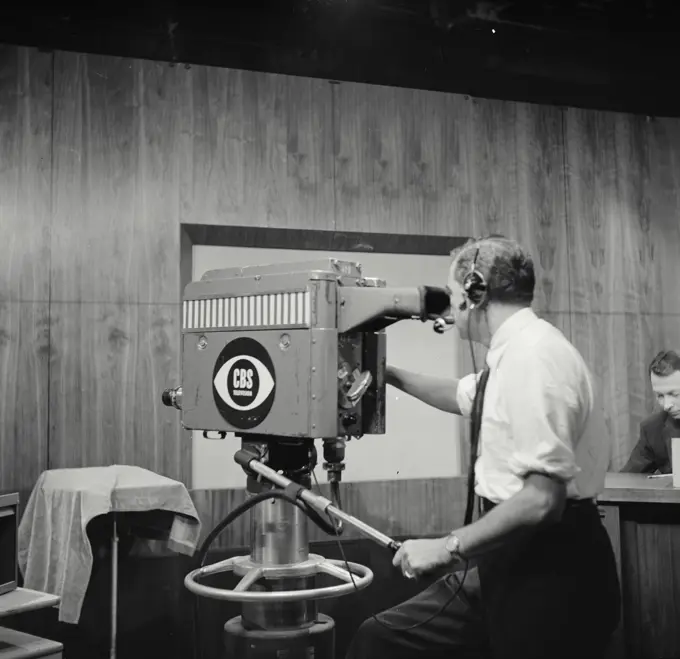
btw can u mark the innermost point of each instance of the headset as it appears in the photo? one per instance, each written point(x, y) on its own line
point(476, 291)
point(475, 286)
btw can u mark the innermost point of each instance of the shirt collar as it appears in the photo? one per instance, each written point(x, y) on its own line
point(509, 328)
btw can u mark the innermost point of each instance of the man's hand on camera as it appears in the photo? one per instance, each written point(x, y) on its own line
point(418, 557)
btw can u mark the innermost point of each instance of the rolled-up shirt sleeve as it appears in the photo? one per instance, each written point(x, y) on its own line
point(546, 416)
point(465, 394)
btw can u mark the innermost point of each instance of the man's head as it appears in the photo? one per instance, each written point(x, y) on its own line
point(489, 279)
point(664, 372)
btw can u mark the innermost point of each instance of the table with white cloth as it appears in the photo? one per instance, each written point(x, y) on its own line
point(54, 551)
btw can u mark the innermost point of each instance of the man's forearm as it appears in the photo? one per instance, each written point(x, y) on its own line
point(433, 391)
point(520, 514)
point(641, 460)
point(637, 465)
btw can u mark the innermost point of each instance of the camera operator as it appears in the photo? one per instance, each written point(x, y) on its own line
point(540, 577)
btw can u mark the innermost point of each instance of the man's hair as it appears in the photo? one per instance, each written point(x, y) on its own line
point(665, 363)
point(506, 265)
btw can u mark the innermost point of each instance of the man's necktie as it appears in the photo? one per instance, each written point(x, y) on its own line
point(475, 431)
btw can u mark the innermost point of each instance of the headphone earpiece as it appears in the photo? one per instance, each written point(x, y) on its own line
point(475, 285)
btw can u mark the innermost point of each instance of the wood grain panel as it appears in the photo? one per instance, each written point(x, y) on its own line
point(414, 508)
point(621, 186)
point(517, 188)
point(25, 168)
point(542, 220)
point(624, 240)
point(25, 197)
point(669, 334)
point(640, 249)
point(595, 224)
point(24, 356)
point(401, 160)
point(117, 126)
point(601, 340)
point(650, 538)
point(157, 435)
point(650, 177)
point(659, 587)
point(664, 210)
point(259, 151)
point(110, 364)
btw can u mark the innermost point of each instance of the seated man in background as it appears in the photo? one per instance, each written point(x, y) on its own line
point(653, 451)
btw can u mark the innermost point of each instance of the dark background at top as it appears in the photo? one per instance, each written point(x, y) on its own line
point(604, 54)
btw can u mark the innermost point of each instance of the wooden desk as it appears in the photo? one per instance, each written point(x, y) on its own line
point(642, 516)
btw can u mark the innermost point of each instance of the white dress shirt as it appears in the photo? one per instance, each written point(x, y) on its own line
point(540, 413)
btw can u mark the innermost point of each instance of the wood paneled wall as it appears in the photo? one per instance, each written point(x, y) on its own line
point(624, 240)
point(418, 507)
point(103, 158)
point(114, 272)
point(25, 219)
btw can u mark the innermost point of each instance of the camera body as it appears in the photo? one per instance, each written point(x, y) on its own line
point(291, 350)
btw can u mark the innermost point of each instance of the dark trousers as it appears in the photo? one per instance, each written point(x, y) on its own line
point(552, 594)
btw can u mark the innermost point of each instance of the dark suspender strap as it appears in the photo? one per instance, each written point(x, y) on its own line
point(475, 431)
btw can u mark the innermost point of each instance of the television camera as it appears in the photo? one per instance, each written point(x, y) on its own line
point(281, 355)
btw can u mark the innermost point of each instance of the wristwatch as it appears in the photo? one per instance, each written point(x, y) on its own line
point(452, 545)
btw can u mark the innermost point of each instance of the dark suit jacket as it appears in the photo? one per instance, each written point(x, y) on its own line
point(653, 450)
